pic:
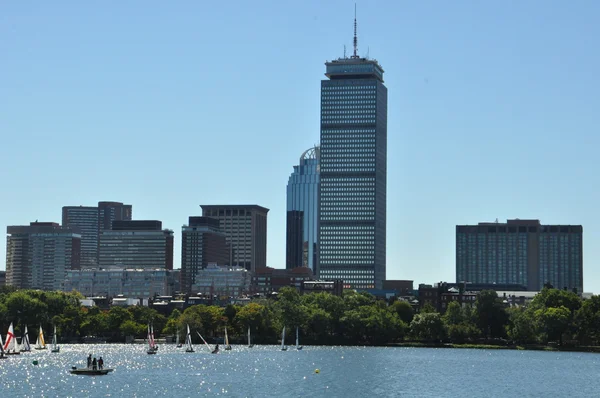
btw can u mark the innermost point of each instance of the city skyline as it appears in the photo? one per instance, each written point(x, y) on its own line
point(476, 120)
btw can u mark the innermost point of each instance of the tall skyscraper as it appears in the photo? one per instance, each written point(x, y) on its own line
point(139, 244)
point(522, 252)
point(353, 172)
point(89, 221)
point(39, 255)
point(303, 211)
point(84, 219)
point(202, 242)
point(245, 227)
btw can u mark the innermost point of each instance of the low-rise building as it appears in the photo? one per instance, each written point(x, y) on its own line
point(113, 281)
point(215, 280)
point(267, 280)
point(334, 287)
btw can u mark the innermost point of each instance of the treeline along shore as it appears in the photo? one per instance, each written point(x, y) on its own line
point(554, 318)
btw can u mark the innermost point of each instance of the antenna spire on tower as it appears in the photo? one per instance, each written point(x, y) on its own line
point(355, 38)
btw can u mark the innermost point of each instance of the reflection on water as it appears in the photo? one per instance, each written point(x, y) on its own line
point(268, 371)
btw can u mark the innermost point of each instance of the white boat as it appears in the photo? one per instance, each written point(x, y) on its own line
point(152, 348)
point(25, 346)
point(298, 347)
point(207, 346)
point(188, 341)
point(10, 346)
point(249, 344)
point(227, 346)
point(55, 347)
point(283, 346)
point(40, 344)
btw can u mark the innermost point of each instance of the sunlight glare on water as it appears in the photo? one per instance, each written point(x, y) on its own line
point(267, 371)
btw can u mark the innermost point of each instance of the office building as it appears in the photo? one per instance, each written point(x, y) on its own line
point(2, 278)
point(245, 228)
point(113, 281)
point(84, 219)
point(139, 244)
point(202, 243)
point(112, 211)
point(214, 280)
point(520, 252)
point(353, 172)
point(268, 280)
point(303, 211)
point(39, 255)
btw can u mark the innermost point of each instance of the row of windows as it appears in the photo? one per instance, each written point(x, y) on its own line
point(348, 169)
point(347, 147)
point(369, 88)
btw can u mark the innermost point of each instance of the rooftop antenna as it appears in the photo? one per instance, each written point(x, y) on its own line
point(355, 38)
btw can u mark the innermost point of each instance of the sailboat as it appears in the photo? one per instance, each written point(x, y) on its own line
point(10, 346)
point(298, 347)
point(25, 346)
point(283, 346)
point(40, 344)
point(55, 347)
point(151, 344)
point(177, 342)
point(207, 346)
point(249, 345)
point(188, 341)
point(2, 356)
point(227, 346)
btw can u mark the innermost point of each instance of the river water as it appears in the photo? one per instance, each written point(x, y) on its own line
point(266, 371)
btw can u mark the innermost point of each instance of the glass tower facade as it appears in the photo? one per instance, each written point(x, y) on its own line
point(302, 208)
point(353, 171)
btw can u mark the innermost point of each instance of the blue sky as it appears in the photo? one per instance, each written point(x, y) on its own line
point(493, 112)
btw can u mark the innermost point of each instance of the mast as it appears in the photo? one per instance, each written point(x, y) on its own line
point(355, 36)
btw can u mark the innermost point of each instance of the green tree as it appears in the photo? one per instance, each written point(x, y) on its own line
point(555, 322)
point(454, 314)
point(370, 324)
point(491, 315)
point(428, 327)
point(521, 328)
point(404, 311)
point(587, 321)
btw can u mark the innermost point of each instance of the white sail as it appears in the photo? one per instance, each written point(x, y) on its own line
point(55, 347)
point(188, 341)
point(205, 343)
point(177, 339)
point(249, 337)
point(40, 344)
point(297, 337)
point(25, 346)
point(226, 338)
point(10, 344)
point(283, 347)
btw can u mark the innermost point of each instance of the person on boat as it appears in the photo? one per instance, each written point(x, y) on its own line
point(94, 364)
point(100, 363)
point(216, 349)
point(89, 361)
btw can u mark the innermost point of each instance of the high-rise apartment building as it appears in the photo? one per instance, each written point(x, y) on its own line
point(353, 172)
point(245, 227)
point(84, 219)
point(39, 255)
point(303, 211)
point(522, 252)
point(202, 243)
point(139, 244)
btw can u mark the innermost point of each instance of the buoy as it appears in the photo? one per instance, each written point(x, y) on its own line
point(35, 362)
point(317, 371)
